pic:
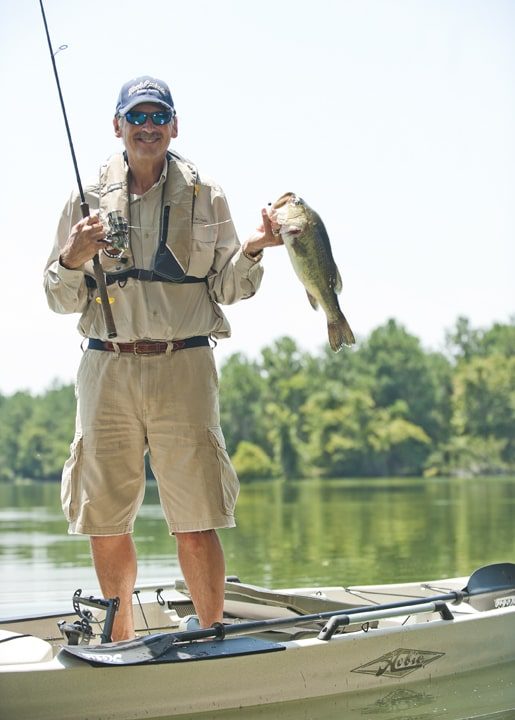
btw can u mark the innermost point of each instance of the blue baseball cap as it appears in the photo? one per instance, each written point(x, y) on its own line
point(144, 89)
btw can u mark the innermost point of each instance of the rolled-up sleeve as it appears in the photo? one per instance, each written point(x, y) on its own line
point(233, 276)
point(65, 289)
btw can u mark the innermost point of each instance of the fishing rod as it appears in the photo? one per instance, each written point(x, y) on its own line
point(84, 207)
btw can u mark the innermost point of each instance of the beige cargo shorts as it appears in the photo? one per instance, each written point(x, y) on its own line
point(166, 404)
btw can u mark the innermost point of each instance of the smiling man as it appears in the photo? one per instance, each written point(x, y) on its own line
point(154, 387)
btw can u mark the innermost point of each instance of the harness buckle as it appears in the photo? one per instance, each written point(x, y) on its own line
point(147, 275)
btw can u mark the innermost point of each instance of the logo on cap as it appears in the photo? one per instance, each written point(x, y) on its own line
point(146, 85)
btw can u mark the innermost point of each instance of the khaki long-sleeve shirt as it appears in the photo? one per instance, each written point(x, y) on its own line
point(158, 310)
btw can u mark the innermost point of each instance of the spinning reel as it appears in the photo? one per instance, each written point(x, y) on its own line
point(117, 234)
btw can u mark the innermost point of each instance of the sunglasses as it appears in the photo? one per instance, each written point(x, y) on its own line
point(161, 117)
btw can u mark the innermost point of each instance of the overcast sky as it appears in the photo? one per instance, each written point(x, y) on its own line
point(394, 119)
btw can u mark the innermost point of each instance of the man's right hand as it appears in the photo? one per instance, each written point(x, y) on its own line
point(85, 240)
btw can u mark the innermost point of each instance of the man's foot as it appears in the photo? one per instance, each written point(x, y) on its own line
point(189, 623)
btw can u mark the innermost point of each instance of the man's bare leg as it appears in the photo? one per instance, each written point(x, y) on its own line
point(202, 562)
point(116, 567)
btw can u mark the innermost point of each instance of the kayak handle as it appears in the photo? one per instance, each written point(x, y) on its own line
point(337, 621)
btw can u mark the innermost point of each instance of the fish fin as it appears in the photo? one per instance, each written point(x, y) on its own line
point(337, 281)
point(312, 300)
point(340, 334)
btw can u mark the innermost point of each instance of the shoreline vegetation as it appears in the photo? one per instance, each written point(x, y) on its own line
point(387, 407)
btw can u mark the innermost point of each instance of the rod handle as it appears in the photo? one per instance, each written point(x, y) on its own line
point(101, 285)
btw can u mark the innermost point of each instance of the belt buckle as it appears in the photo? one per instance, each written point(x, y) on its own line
point(142, 352)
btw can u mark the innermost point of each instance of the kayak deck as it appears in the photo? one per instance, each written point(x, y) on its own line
point(277, 648)
point(159, 608)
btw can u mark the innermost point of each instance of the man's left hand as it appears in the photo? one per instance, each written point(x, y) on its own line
point(266, 235)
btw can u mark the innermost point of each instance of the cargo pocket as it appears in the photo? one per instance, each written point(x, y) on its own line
point(70, 486)
point(227, 477)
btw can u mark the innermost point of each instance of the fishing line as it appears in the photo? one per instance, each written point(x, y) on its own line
point(222, 222)
point(151, 227)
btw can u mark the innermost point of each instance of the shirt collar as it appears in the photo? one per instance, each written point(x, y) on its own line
point(164, 172)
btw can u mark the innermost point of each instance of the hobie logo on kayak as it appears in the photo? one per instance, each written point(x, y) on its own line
point(399, 663)
point(114, 658)
point(505, 602)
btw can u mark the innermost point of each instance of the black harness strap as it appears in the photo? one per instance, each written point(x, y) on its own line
point(169, 270)
point(145, 275)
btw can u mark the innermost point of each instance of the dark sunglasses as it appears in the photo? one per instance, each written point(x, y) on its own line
point(161, 117)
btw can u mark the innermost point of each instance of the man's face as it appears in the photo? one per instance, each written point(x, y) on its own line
point(147, 141)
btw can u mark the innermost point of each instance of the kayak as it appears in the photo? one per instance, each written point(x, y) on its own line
point(274, 646)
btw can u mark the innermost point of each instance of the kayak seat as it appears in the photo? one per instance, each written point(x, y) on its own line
point(18, 648)
point(294, 602)
point(251, 602)
point(243, 600)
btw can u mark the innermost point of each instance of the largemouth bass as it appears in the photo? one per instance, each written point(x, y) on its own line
point(307, 242)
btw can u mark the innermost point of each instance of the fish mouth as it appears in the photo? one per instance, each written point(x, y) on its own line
point(287, 214)
point(283, 200)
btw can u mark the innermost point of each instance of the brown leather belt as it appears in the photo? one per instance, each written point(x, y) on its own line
point(148, 347)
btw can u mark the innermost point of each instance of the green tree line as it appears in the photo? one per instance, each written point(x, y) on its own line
point(387, 407)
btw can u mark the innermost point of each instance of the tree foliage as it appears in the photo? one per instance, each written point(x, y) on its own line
point(387, 407)
point(35, 433)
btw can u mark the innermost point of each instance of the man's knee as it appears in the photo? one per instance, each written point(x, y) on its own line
point(193, 541)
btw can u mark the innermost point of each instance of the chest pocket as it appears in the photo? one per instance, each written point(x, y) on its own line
point(203, 242)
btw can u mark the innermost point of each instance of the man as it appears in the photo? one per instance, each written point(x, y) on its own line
point(154, 387)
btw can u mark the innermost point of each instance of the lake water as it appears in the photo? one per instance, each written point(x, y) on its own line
point(302, 532)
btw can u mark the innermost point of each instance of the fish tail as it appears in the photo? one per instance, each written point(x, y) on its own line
point(340, 334)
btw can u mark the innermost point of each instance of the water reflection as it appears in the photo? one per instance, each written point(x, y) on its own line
point(381, 530)
point(289, 533)
point(298, 533)
point(485, 695)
